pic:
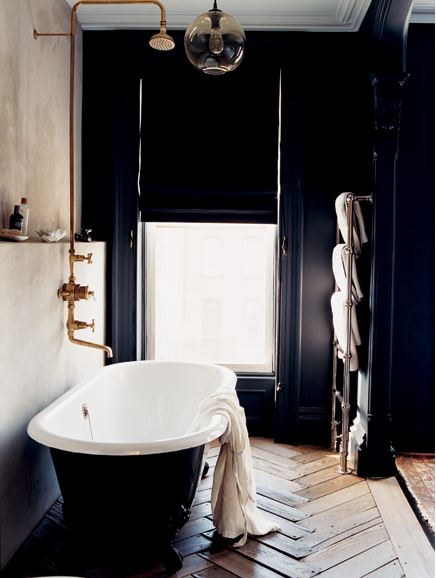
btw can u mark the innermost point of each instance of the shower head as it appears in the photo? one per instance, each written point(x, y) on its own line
point(162, 41)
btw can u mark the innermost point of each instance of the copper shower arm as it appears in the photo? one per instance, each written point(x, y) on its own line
point(163, 18)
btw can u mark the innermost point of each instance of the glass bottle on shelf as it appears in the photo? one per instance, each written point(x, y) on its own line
point(16, 219)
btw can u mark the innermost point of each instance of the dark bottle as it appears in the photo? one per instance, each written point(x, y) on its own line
point(16, 220)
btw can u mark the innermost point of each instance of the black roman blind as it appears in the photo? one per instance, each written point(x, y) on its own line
point(209, 144)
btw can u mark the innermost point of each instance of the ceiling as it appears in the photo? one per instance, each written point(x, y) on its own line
point(310, 15)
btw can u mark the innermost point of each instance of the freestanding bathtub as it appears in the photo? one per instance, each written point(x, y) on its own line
point(126, 454)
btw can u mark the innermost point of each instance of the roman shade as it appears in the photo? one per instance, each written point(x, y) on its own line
point(209, 144)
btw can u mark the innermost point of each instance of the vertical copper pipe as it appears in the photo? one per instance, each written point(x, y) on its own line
point(68, 292)
point(72, 138)
point(72, 103)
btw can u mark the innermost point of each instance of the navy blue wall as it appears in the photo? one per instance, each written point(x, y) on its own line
point(413, 348)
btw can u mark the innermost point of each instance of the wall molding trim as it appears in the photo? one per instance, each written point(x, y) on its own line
point(340, 15)
point(422, 12)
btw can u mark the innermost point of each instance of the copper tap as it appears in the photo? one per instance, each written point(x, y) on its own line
point(74, 325)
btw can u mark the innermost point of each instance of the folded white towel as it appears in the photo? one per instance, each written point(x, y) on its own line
point(340, 263)
point(340, 311)
point(359, 232)
point(235, 513)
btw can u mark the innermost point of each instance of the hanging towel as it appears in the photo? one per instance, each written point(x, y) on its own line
point(339, 263)
point(235, 513)
point(339, 310)
point(359, 232)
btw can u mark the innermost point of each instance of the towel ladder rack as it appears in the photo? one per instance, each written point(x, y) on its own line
point(343, 397)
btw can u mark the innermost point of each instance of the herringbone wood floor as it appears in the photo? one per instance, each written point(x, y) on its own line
point(332, 526)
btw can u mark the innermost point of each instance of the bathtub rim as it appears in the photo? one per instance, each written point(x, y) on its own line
point(37, 431)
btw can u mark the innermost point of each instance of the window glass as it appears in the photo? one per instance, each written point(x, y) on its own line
point(210, 293)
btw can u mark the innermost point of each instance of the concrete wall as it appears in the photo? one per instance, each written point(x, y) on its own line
point(34, 97)
point(37, 363)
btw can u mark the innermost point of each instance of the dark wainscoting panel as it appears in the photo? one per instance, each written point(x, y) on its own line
point(256, 395)
point(314, 424)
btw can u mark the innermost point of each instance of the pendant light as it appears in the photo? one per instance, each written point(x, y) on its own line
point(214, 42)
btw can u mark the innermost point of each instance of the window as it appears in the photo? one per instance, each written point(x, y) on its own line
point(210, 293)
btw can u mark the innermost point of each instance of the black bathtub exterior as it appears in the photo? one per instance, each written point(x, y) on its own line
point(141, 499)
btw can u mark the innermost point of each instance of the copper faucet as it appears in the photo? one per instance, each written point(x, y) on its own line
point(74, 325)
point(71, 292)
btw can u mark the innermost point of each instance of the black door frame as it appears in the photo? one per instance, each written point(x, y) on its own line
point(290, 260)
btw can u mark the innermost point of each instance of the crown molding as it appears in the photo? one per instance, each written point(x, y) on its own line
point(276, 15)
point(422, 12)
point(317, 15)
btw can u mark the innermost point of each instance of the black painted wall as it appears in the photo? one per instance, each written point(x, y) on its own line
point(326, 89)
point(331, 79)
point(413, 359)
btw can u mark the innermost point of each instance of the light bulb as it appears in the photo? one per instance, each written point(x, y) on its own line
point(216, 43)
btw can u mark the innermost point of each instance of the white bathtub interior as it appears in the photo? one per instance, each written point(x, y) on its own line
point(131, 405)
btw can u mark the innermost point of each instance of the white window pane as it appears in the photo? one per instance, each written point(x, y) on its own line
point(211, 293)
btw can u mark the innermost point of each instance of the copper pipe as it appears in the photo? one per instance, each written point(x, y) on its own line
point(72, 102)
point(71, 292)
point(38, 34)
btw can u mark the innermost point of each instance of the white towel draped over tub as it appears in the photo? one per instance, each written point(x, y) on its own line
point(235, 513)
point(359, 233)
point(340, 311)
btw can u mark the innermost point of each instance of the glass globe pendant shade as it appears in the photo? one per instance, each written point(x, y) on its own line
point(214, 42)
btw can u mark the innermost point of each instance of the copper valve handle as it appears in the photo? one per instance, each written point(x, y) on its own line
point(82, 292)
point(83, 325)
point(87, 257)
point(72, 292)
